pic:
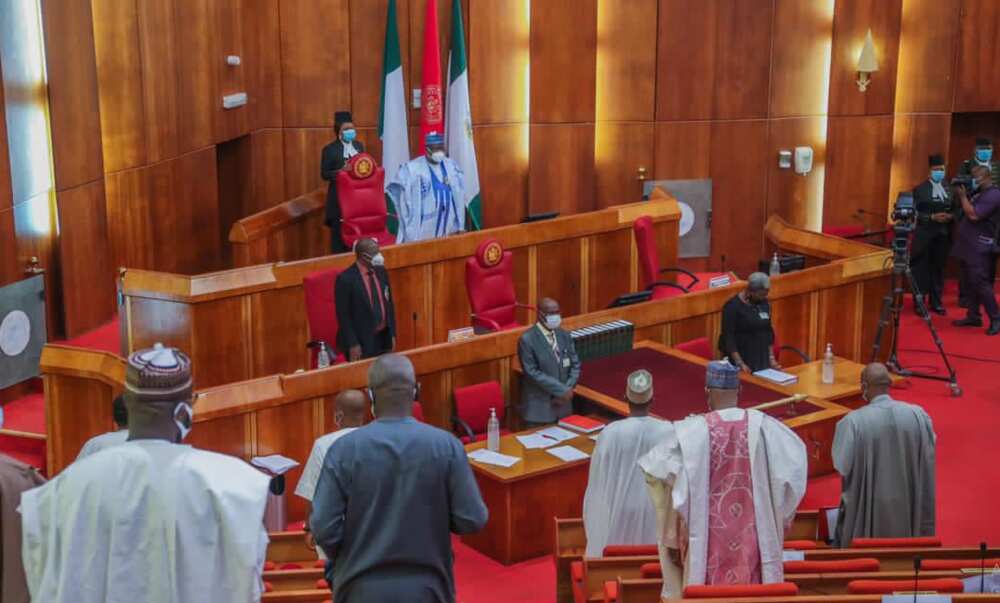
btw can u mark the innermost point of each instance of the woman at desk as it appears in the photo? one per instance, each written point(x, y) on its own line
point(747, 337)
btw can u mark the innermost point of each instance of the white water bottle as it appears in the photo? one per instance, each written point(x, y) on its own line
point(828, 365)
point(493, 432)
point(775, 266)
point(323, 357)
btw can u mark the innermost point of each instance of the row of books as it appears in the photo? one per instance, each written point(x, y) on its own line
point(603, 339)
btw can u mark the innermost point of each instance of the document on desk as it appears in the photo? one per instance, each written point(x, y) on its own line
point(568, 453)
point(489, 457)
point(534, 440)
point(557, 433)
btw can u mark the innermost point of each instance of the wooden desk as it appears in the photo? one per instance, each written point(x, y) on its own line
point(845, 389)
point(524, 499)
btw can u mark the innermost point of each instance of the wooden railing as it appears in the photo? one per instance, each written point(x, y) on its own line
point(291, 231)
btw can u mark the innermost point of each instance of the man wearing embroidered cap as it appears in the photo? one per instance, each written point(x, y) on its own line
point(152, 519)
point(725, 489)
point(429, 194)
point(616, 508)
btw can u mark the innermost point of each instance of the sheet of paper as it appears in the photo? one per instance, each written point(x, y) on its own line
point(986, 583)
point(919, 598)
point(274, 463)
point(568, 453)
point(557, 433)
point(787, 555)
point(489, 457)
point(534, 440)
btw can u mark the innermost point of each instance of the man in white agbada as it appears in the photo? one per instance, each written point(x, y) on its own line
point(150, 520)
point(348, 415)
point(111, 438)
point(429, 194)
point(616, 507)
point(725, 491)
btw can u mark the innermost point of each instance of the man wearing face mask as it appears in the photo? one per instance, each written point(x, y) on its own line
point(335, 156)
point(884, 453)
point(366, 314)
point(932, 239)
point(150, 520)
point(747, 337)
point(975, 247)
point(551, 368)
point(429, 194)
point(982, 155)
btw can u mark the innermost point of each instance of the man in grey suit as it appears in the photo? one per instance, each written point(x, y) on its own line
point(551, 368)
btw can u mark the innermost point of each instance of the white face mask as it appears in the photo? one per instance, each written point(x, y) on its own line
point(437, 156)
point(184, 429)
point(378, 259)
point(552, 321)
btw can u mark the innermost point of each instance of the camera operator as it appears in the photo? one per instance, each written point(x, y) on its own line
point(932, 238)
point(982, 154)
point(975, 245)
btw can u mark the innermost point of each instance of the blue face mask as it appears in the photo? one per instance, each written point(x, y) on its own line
point(937, 175)
point(349, 135)
point(984, 155)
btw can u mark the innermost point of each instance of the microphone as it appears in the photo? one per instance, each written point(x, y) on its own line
point(916, 574)
point(982, 567)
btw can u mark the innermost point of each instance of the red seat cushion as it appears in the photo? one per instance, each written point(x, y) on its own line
point(322, 585)
point(956, 564)
point(862, 564)
point(319, 564)
point(666, 292)
point(576, 580)
point(803, 545)
point(721, 591)
point(473, 404)
point(699, 347)
point(270, 566)
point(321, 310)
point(651, 570)
point(362, 206)
point(268, 587)
point(290, 566)
point(489, 283)
point(886, 587)
point(895, 543)
point(630, 550)
point(610, 592)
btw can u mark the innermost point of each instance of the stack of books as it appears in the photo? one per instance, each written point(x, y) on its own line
point(603, 339)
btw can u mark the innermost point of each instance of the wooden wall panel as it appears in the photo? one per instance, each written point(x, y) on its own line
point(800, 57)
point(228, 79)
point(742, 59)
point(559, 272)
point(851, 21)
point(626, 60)
point(267, 159)
point(790, 317)
point(10, 269)
point(119, 80)
point(413, 328)
point(262, 66)
point(839, 309)
point(196, 59)
point(368, 18)
point(794, 197)
point(128, 215)
point(34, 231)
point(227, 435)
point(563, 61)
point(289, 430)
point(928, 42)
point(682, 150)
point(498, 47)
point(857, 170)
point(915, 137)
point(620, 150)
point(561, 165)
point(195, 203)
point(451, 303)
point(303, 148)
point(88, 276)
point(315, 63)
point(738, 168)
point(978, 47)
point(606, 279)
point(274, 351)
point(75, 122)
point(503, 172)
point(159, 55)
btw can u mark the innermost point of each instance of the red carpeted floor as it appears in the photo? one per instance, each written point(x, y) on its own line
point(968, 429)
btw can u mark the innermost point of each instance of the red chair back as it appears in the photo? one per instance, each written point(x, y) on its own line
point(321, 310)
point(862, 564)
point(729, 591)
point(645, 242)
point(699, 347)
point(489, 282)
point(887, 587)
point(473, 403)
point(630, 550)
point(896, 543)
point(650, 570)
point(418, 412)
point(361, 194)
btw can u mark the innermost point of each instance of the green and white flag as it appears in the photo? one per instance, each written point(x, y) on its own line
point(392, 128)
point(458, 119)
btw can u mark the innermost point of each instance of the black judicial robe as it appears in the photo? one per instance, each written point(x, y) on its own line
point(331, 163)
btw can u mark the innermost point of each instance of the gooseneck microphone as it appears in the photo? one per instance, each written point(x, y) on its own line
point(916, 575)
point(982, 567)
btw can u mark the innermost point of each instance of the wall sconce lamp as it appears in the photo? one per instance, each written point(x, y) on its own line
point(867, 63)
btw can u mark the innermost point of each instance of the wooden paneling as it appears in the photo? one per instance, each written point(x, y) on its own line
point(620, 150)
point(794, 197)
point(498, 60)
point(228, 435)
point(262, 68)
point(10, 270)
point(606, 278)
point(914, 138)
point(268, 170)
point(368, 17)
point(75, 121)
point(278, 336)
point(839, 312)
point(561, 168)
point(158, 55)
point(563, 61)
point(413, 328)
point(791, 317)
point(682, 150)
point(800, 57)
point(196, 59)
point(851, 20)
point(6, 194)
point(303, 149)
point(927, 47)
point(560, 274)
point(228, 79)
point(289, 430)
point(503, 173)
point(451, 301)
point(626, 60)
point(34, 229)
point(315, 63)
point(857, 171)
point(978, 51)
point(88, 276)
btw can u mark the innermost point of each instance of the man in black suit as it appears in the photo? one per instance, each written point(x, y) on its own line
point(335, 156)
point(365, 310)
point(932, 239)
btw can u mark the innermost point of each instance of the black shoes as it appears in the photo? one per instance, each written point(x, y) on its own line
point(994, 327)
point(939, 310)
point(968, 322)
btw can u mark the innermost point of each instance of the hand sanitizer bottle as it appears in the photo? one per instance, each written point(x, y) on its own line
point(775, 266)
point(493, 432)
point(828, 365)
point(323, 357)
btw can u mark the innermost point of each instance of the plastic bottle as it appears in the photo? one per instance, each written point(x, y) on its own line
point(323, 357)
point(775, 266)
point(828, 365)
point(493, 432)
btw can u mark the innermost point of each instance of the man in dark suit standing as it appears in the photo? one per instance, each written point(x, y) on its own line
point(335, 156)
point(365, 310)
point(932, 239)
point(551, 368)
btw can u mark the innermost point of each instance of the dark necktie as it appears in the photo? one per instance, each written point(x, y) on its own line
point(376, 297)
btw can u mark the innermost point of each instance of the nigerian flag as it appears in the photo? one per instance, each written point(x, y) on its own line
point(392, 113)
point(458, 118)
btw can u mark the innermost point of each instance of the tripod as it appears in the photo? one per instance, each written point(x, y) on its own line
point(892, 307)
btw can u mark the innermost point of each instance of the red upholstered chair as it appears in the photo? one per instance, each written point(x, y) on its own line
point(651, 570)
point(418, 412)
point(321, 584)
point(630, 550)
point(861, 564)
point(649, 263)
point(610, 592)
point(803, 545)
point(489, 281)
point(472, 410)
point(321, 313)
point(725, 591)
point(576, 575)
point(896, 543)
point(699, 347)
point(361, 194)
point(887, 587)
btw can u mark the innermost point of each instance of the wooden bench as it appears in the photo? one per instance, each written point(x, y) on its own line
point(289, 547)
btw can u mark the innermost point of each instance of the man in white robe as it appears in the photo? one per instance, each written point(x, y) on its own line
point(616, 507)
point(150, 520)
point(725, 491)
point(429, 194)
point(111, 438)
